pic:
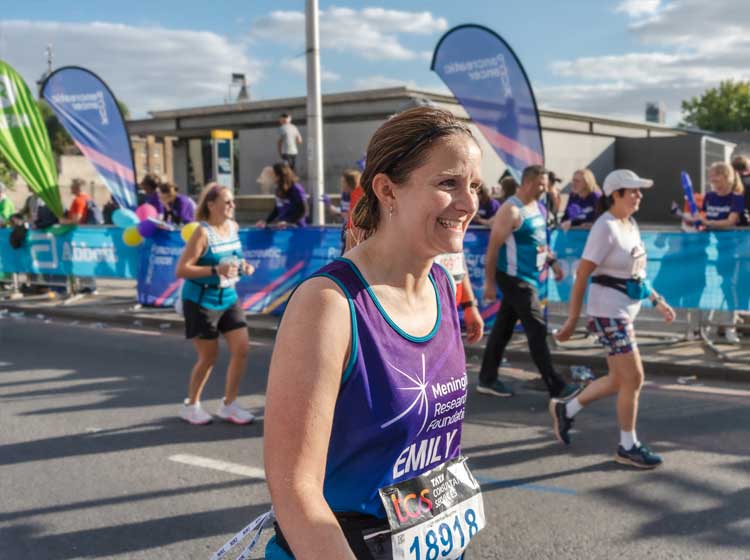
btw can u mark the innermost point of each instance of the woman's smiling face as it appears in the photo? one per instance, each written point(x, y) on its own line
point(434, 206)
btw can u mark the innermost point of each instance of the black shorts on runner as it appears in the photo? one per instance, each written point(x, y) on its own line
point(206, 324)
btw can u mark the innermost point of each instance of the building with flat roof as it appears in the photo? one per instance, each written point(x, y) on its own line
point(571, 140)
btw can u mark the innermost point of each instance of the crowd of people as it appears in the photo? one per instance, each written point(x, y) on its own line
point(369, 363)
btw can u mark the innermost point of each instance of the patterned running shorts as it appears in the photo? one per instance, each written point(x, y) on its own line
point(616, 335)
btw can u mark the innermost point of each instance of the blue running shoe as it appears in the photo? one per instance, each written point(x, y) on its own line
point(561, 423)
point(639, 456)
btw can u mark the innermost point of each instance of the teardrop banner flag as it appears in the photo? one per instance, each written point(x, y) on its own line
point(487, 79)
point(24, 141)
point(88, 110)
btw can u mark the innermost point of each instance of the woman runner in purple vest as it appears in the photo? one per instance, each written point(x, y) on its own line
point(367, 383)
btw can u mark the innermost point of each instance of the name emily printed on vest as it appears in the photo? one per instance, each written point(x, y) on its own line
point(424, 453)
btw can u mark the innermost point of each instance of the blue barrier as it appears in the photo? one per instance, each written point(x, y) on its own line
point(692, 270)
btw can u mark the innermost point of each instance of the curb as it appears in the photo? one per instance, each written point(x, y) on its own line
point(264, 327)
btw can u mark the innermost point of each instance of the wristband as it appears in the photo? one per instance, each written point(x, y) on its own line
point(657, 300)
point(214, 272)
point(468, 303)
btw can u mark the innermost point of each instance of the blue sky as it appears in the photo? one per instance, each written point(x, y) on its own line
point(602, 57)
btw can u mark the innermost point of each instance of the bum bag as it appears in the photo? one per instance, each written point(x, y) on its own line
point(634, 288)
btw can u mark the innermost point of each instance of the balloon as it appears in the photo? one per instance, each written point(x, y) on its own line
point(124, 217)
point(146, 211)
point(131, 237)
point(188, 229)
point(147, 228)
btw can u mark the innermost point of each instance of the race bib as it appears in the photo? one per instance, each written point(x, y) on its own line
point(541, 257)
point(436, 514)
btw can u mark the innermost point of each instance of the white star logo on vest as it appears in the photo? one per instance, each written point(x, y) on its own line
point(420, 387)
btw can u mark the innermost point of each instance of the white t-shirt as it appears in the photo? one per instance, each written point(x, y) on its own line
point(288, 133)
point(617, 250)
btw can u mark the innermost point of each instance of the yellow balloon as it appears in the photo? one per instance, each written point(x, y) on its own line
point(131, 237)
point(188, 230)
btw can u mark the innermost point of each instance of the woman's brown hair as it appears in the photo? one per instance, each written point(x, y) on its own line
point(401, 145)
point(167, 188)
point(351, 178)
point(209, 193)
point(285, 178)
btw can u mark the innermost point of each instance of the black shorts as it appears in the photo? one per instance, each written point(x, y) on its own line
point(206, 324)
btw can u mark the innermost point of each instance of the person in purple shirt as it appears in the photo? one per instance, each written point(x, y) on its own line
point(581, 208)
point(291, 200)
point(150, 185)
point(369, 365)
point(488, 207)
point(723, 208)
point(178, 208)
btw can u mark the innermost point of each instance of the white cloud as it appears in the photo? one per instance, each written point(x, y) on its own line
point(148, 68)
point(683, 61)
point(299, 66)
point(638, 8)
point(371, 33)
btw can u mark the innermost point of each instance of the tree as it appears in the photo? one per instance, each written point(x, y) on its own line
point(722, 109)
point(59, 138)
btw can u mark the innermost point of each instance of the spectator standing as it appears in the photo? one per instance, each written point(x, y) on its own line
point(508, 188)
point(349, 182)
point(582, 202)
point(150, 185)
point(78, 211)
point(290, 207)
point(7, 208)
point(211, 264)
point(615, 259)
point(723, 208)
point(178, 208)
point(517, 253)
point(289, 140)
point(552, 200)
point(488, 207)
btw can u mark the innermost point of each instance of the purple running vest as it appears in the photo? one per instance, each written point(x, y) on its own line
point(401, 404)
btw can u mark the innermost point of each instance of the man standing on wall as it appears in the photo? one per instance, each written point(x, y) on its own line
point(517, 253)
point(289, 139)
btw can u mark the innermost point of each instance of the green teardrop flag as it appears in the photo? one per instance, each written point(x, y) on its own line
point(23, 138)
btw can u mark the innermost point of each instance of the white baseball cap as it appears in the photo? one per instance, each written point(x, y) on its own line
point(624, 179)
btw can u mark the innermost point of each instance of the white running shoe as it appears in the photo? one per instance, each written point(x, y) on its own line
point(194, 414)
point(731, 336)
point(234, 413)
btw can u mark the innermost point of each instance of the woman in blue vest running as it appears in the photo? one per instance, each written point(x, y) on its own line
point(211, 265)
point(367, 383)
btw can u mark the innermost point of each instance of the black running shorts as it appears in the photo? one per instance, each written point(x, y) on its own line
point(206, 324)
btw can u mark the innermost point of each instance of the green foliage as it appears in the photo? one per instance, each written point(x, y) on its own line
point(61, 141)
point(6, 172)
point(722, 109)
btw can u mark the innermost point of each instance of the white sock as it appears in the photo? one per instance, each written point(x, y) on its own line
point(573, 407)
point(628, 440)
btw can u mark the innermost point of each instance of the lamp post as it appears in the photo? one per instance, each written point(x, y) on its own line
point(315, 174)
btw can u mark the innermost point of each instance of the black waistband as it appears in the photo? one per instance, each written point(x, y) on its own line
point(619, 284)
point(355, 526)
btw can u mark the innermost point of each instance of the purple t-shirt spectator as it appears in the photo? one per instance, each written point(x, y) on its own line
point(718, 207)
point(581, 209)
point(290, 209)
point(489, 209)
point(182, 211)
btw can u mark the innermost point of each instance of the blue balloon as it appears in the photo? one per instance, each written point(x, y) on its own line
point(124, 218)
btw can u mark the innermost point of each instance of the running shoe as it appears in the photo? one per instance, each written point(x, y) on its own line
point(569, 391)
point(731, 336)
point(639, 456)
point(234, 413)
point(496, 389)
point(561, 423)
point(194, 414)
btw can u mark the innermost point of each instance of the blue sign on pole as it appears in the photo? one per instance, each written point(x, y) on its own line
point(487, 79)
point(89, 112)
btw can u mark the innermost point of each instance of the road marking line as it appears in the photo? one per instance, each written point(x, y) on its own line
point(207, 463)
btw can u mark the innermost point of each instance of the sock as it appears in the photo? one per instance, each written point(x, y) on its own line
point(572, 407)
point(628, 440)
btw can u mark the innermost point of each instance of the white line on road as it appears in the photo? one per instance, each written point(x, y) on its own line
point(703, 389)
point(207, 463)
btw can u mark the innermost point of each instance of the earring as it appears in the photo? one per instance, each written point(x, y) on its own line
point(390, 213)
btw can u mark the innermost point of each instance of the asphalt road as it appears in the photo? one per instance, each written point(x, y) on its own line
point(95, 464)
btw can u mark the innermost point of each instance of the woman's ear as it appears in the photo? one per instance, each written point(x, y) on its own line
point(384, 189)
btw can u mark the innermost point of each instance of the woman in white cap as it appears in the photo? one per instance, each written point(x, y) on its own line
point(615, 260)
